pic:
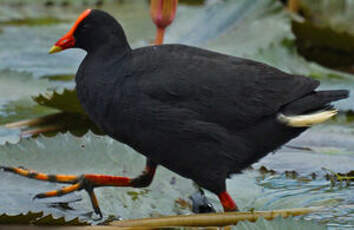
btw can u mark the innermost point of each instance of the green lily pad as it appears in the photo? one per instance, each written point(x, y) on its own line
point(26, 218)
point(17, 85)
point(324, 146)
point(37, 219)
point(335, 51)
point(23, 109)
point(73, 118)
point(334, 14)
point(17, 54)
point(330, 20)
point(66, 101)
point(12, 136)
point(59, 77)
point(96, 154)
point(90, 154)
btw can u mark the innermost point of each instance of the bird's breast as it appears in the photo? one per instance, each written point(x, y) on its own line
point(109, 106)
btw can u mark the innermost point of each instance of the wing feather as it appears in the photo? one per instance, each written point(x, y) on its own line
point(230, 91)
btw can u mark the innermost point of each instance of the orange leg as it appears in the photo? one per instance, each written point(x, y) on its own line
point(227, 202)
point(87, 182)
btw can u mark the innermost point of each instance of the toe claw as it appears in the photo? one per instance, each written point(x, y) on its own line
point(98, 212)
point(39, 196)
point(5, 169)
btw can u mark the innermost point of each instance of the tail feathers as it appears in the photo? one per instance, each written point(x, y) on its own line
point(332, 95)
point(306, 120)
point(315, 101)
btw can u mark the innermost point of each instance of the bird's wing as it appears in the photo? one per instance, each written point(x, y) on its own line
point(226, 90)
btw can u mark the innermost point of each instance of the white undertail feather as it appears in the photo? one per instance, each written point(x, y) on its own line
point(308, 119)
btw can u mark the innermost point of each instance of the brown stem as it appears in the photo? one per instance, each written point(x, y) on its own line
point(294, 5)
point(159, 36)
point(33, 122)
point(34, 132)
point(214, 219)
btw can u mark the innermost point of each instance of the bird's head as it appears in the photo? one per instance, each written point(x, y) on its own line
point(91, 30)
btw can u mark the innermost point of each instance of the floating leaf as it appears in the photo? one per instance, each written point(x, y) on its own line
point(21, 109)
point(326, 146)
point(96, 154)
point(36, 218)
point(330, 20)
point(26, 218)
point(16, 85)
point(66, 101)
point(90, 154)
point(59, 77)
point(337, 15)
point(335, 51)
point(17, 54)
point(12, 136)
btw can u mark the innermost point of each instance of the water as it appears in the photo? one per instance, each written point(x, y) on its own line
point(228, 27)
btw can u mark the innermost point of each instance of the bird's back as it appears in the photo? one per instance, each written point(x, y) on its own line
point(230, 91)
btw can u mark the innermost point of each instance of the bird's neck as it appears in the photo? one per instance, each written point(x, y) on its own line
point(109, 49)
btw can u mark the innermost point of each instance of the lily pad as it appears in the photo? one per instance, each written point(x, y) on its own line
point(17, 85)
point(325, 146)
point(90, 154)
point(22, 109)
point(12, 136)
point(330, 20)
point(66, 101)
point(36, 218)
point(335, 51)
point(96, 154)
point(60, 77)
point(335, 14)
point(18, 55)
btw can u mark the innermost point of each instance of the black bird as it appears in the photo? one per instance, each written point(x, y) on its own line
point(201, 114)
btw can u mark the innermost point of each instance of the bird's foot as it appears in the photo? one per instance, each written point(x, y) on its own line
point(201, 203)
point(76, 183)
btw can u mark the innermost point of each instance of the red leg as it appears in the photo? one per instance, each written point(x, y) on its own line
point(87, 182)
point(227, 202)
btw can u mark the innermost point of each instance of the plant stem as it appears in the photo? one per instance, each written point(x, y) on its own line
point(33, 122)
point(159, 36)
point(294, 5)
point(213, 219)
point(34, 132)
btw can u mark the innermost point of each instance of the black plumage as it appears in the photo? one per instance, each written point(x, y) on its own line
point(202, 114)
point(199, 113)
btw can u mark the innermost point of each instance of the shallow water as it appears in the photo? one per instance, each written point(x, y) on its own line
point(230, 28)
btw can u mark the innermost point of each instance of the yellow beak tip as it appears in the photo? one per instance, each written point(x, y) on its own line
point(55, 49)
